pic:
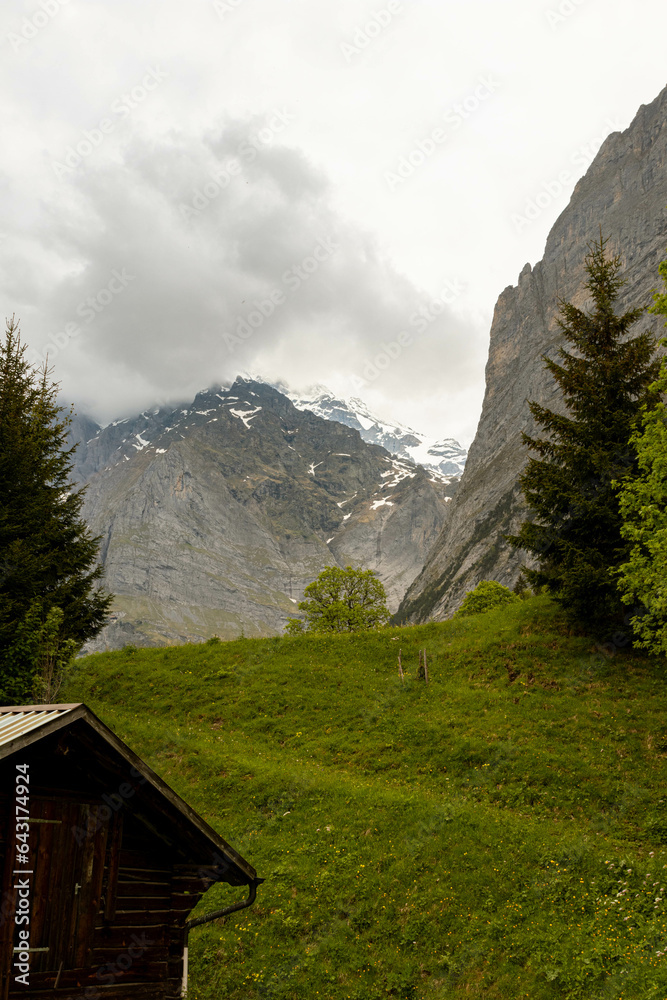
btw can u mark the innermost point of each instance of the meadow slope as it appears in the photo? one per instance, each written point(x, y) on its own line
point(499, 832)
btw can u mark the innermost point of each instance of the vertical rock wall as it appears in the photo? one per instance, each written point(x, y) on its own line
point(625, 192)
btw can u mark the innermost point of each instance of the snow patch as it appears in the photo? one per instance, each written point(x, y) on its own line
point(345, 501)
point(400, 472)
point(245, 415)
point(381, 503)
point(364, 421)
point(142, 444)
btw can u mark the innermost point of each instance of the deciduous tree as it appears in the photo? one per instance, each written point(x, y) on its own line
point(642, 578)
point(342, 600)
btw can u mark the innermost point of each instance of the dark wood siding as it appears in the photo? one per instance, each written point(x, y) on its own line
point(109, 899)
point(118, 859)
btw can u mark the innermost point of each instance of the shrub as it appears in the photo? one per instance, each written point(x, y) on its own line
point(486, 595)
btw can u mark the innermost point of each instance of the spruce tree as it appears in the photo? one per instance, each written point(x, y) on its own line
point(571, 489)
point(49, 602)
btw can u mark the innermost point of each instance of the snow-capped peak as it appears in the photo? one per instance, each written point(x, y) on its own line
point(444, 456)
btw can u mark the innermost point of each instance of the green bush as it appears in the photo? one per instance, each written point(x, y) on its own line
point(486, 595)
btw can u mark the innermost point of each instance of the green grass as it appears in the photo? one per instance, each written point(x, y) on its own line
point(465, 838)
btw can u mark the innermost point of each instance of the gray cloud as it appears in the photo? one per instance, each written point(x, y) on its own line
point(325, 126)
point(183, 259)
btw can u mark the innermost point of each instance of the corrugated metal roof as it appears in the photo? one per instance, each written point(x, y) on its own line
point(15, 721)
point(19, 725)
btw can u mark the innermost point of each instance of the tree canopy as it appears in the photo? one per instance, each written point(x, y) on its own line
point(342, 600)
point(642, 577)
point(574, 525)
point(49, 602)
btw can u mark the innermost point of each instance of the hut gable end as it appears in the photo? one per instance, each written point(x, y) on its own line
point(116, 862)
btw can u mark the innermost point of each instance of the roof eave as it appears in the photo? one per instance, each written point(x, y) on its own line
point(72, 713)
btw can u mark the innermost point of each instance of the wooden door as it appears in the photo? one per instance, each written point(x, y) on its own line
point(67, 847)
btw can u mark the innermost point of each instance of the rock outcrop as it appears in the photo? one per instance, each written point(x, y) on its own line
point(625, 192)
point(214, 517)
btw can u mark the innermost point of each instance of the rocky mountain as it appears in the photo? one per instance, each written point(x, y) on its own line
point(215, 516)
point(625, 192)
point(445, 457)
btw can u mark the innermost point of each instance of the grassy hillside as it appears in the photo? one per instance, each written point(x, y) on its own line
point(499, 832)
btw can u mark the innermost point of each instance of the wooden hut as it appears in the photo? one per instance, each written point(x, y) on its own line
point(101, 863)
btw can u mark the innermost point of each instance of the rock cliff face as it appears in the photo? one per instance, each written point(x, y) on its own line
point(214, 517)
point(625, 192)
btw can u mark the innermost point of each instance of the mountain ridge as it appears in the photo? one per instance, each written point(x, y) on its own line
point(444, 457)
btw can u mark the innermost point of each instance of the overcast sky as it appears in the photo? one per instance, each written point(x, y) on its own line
point(319, 191)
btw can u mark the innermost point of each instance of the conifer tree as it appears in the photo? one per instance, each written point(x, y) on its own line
point(49, 602)
point(575, 529)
